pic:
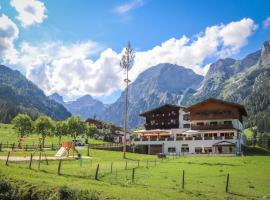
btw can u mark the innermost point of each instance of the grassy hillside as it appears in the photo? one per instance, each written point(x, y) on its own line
point(205, 176)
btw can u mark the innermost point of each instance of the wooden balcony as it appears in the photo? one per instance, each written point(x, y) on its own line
point(212, 127)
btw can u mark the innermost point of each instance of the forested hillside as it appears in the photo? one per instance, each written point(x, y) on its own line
point(19, 95)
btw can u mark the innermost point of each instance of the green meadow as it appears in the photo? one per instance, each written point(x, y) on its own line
point(205, 177)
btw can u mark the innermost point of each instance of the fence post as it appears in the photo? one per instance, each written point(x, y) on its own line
point(59, 167)
point(133, 175)
point(183, 180)
point(13, 146)
point(1, 147)
point(126, 165)
point(52, 147)
point(39, 160)
point(111, 167)
point(26, 147)
point(138, 163)
point(7, 158)
point(88, 148)
point(96, 176)
point(227, 183)
point(30, 162)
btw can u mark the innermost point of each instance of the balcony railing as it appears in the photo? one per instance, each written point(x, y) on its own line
point(211, 127)
point(185, 138)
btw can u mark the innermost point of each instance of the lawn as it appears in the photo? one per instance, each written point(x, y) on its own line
point(9, 135)
point(205, 176)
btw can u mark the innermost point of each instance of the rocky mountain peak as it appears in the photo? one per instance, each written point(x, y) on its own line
point(57, 97)
point(265, 54)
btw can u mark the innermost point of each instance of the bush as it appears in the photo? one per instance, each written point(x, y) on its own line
point(20, 190)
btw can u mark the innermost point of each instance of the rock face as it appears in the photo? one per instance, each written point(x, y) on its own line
point(161, 84)
point(218, 73)
point(19, 95)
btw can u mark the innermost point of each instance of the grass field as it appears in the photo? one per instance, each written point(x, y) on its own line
point(205, 177)
point(9, 135)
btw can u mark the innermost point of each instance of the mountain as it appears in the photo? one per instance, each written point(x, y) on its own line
point(245, 81)
point(218, 73)
point(85, 106)
point(160, 84)
point(57, 98)
point(19, 95)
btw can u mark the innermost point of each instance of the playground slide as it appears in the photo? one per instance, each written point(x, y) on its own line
point(60, 152)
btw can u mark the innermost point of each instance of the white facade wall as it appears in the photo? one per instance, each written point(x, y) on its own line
point(177, 144)
point(181, 118)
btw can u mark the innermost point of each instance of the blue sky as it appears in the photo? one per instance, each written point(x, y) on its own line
point(103, 24)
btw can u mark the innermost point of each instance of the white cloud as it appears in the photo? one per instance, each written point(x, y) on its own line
point(68, 70)
point(215, 42)
point(266, 22)
point(30, 11)
point(125, 8)
point(8, 34)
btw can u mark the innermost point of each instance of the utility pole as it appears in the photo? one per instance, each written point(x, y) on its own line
point(126, 64)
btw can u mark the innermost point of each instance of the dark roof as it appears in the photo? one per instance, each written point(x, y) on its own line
point(240, 107)
point(160, 107)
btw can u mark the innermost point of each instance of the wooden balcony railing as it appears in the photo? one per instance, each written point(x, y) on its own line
point(211, 127)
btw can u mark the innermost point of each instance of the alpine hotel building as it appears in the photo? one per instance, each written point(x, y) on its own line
point(209, 127)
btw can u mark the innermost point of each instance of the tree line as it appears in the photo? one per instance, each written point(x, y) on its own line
point(45, 126)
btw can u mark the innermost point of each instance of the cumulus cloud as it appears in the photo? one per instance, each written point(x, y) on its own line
point(266, 22)
point(8, 34)
point(125, 8)
point(30, 11)
point(215, 42)
point(68, 69)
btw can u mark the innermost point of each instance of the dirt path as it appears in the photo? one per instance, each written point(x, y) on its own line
point(22, 158)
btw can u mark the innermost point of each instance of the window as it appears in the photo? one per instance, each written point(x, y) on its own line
point(213, 123)
point(171, 149)
point(184, 148)
point(198, 149)
point(207, 149)
point(200, 123)
point(163, 114)
point(186, 117)
point(186, 126)
point(152, 122)
point(228, 122)
point(162, 123)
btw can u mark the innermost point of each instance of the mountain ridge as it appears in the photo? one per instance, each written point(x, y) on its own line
point(19, 95)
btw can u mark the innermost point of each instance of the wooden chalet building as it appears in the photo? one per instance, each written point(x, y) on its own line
point(209, 127)
point(165, 117)
point(118, 135)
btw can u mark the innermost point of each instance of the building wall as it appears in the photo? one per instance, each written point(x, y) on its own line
point(182, 121)
point(192, 144)
point(214, 110)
